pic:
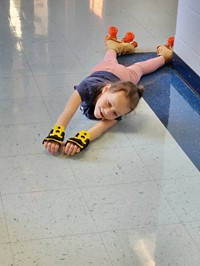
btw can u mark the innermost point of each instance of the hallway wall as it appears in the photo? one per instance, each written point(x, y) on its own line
point(187, 33)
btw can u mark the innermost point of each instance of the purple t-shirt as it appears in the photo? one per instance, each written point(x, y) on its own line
point(89, 89)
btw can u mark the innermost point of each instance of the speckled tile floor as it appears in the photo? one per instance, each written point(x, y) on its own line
point(131, 199)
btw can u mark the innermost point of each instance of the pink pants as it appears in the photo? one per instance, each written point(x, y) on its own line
point(131, 73)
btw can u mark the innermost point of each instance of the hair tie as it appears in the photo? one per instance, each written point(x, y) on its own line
point(140, 90)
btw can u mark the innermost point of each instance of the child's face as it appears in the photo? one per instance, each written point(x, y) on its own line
point(111, 105)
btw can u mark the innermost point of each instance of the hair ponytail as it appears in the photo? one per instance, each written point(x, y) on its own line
point(140, 90)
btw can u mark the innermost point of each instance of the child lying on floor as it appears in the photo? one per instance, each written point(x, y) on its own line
point(108, 93)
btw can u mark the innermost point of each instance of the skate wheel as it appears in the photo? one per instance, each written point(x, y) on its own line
point(128, 37)
point(112, 31)
point(170, 41)
point(135, 44)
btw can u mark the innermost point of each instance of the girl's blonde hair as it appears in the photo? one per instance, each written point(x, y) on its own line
point(133, 92)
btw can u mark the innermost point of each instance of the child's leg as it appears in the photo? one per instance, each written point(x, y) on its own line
point(131, 73)
point(110, 58)
point(140, 69)
point(110, 64)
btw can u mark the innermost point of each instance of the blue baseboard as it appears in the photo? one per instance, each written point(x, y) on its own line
point(186, 73)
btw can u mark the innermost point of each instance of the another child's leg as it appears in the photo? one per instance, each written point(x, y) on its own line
point(140, 69)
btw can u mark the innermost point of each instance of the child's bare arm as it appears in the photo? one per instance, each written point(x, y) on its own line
point(95, 132)
point(69, 110)
point(62, 121)
point(101, 127)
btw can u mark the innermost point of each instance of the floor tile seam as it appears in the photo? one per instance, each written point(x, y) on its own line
point(72, 49)
point(152, 225)
point(67, 236)
point(163, 10)
point(177, 178)
point(14, 76)
point(24, 54)
point(50, 238)
point(117, 184)
point(32, 72)
point(19, 155)
point(23, 155)
point(21, 98)
point(73, 188)
point(78, 187)
point(195, 172)
point(166, 10)
point(7, 230)
point(59, 74)
point(42, 97)
point(106, 249)
point(12, 254)
point(27, 123)
point(176, 214)
point(98, 232)
point(141, 24)
point(184, 225)
point(70, 46)
point(149, 168)
point(56, 96)
point(142, 226)
point(143, 162)
point(151, 144)
point(121, 229)
point(170, 206)
point(114, 147)
point(146, 167)
point(96, 226)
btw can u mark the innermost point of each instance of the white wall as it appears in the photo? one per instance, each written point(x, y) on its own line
point(187, 38)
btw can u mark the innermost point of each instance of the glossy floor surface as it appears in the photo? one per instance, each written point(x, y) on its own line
point(132, 198)
point(176, 105)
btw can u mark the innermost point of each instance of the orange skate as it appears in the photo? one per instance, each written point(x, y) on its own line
point(125, 46)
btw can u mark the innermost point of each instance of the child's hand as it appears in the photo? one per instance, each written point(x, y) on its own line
point(55, 138)
point(71, 149)
point(77, 143)
point(52, 146)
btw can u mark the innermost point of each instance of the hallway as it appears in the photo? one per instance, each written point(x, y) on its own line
point(131, 198)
